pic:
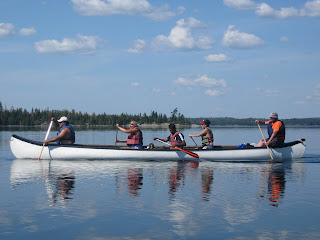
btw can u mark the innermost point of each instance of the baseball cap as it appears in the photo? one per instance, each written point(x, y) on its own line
point(206, 122)
point(63, 119)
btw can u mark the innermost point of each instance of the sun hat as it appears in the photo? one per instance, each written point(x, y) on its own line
point(273, 115)
point(63, 119)
point(206, 122)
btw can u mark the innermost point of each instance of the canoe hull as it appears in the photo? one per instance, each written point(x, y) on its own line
point(27, 149)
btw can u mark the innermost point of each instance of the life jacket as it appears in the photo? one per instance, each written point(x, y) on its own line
point(282, 131)
point(135, 139)
point(173, 139)
point(73, 138)
point(208, 138)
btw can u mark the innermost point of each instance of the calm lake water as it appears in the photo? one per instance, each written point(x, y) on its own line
point(160, 200)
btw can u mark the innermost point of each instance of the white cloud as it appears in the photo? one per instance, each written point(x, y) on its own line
point(240, 4)
point(235, 39)
point(138, 46)
point(181, 37)
point(124, 7)
point(135, 84)
point(217, 58)
point(310, 9)
point(214, 92)
point(156, 90)
point(204, 81)
point(284, 39)
point(27, 31)
point(6, 29)
point(264, 10)
point(271, 92)
point(80, 45)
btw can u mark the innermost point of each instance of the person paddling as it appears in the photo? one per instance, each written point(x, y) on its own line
point(135, 138)
point(206, 134)
point(176, 138)
point(66, 134)
point(276, 132)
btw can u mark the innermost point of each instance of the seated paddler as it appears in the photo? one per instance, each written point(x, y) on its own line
point(66, 134)
point(176, 138)
point(276, 132)
point(206, 135)
point(135, 138)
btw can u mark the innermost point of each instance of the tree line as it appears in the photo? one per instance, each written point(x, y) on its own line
point(228, 121)
point(19, 116)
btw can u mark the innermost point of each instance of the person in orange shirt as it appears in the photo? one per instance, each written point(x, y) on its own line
point(276, 132)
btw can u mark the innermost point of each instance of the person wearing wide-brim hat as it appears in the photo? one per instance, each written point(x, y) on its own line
point(66, 134)
point(206, 135)
point(276, 131)
point(135, 138)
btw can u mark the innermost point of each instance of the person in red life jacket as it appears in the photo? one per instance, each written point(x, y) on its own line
point(66, 134)
point(176, 138)
point(206, 134)
point(135, 138)
point(276, 132)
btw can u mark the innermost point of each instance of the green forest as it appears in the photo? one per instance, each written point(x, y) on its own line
point(23, 117)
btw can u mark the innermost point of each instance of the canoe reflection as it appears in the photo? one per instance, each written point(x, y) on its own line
point(129, 177)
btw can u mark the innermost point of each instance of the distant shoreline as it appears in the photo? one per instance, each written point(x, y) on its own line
point(158, 126)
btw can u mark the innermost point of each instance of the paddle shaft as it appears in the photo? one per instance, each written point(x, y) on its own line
point(45, 138)
point(194, 141)
point(265, 142)
point(116, 136)
point(186, 151)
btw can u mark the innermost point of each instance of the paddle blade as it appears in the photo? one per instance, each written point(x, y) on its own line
point(190, 153)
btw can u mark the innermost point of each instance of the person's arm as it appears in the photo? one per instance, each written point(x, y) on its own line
point(163, 140)
point(62, 134)
point(204, 132)
point(55, 122)
point(127, 130)
point(261, 122)
point(272, 136)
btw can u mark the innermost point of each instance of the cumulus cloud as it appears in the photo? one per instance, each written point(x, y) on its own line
point(217, 58)
point(156, 90)
point(217, 87)
point(284, 39)
point(6, 29)
point(235, 39)
point(310, 9)
point(138, 46)
point(135, 84)
point(264, 10)
point(80, 45)
point(127, 7)
point(181, 37)
point(27, 31)
point(240, 4)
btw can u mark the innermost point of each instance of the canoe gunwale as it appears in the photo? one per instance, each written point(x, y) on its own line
point(113, 147)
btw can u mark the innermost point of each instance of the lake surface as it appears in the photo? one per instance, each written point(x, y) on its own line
point(160, 200)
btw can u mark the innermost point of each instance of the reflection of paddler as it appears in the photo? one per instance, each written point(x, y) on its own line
point(65, 183)
point(207, 179)
point(276, 185)
point(177, 175)
point(135, 138)
point(135, 177)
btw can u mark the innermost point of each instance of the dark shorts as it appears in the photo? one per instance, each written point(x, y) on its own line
point(276, 143)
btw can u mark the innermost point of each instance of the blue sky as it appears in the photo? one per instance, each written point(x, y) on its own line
point(234, 58)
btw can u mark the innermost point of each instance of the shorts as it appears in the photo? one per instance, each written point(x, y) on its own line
point(275, 143)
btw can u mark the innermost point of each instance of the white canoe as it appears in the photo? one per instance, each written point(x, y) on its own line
point(23, 148)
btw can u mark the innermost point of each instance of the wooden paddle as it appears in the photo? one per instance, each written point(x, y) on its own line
point(116, 137)
point(186, 151)
point(194, 141)
point(45, 139)
point(265, 142)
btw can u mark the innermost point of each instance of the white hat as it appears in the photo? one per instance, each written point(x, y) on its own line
point(273, 115)
point(63, 119)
